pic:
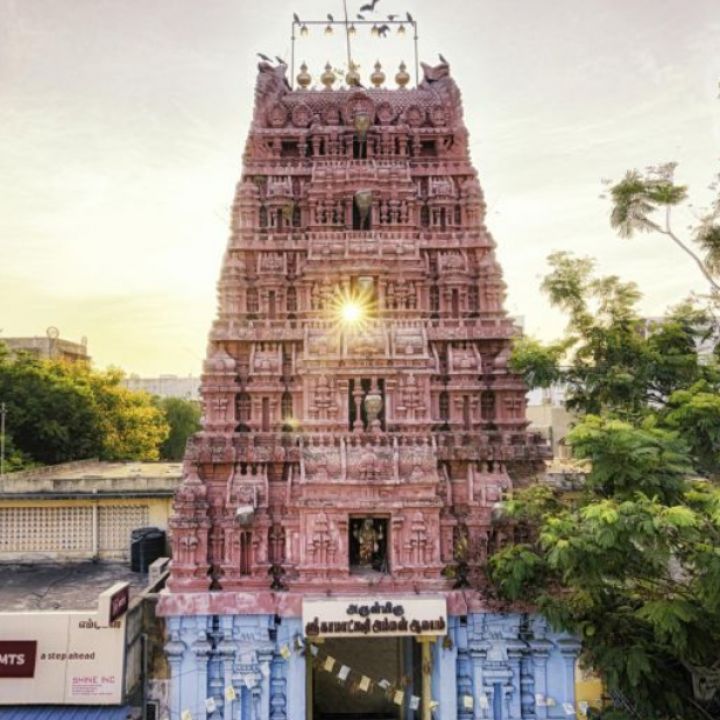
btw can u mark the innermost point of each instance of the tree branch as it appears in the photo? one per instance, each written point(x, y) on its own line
point(668, 231)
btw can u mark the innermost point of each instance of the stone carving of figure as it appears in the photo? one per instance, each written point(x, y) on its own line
point(368, 541)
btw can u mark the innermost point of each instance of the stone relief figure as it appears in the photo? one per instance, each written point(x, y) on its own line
point(368, 541)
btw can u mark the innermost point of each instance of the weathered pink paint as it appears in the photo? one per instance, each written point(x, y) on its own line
point(453, 429)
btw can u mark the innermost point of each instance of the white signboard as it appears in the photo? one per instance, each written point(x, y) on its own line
point(375, 617)
point(61, 658)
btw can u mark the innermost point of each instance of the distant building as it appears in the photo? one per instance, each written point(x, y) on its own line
point(82, 510)
point(548, 415)
point(187, 388)
point(50, 347)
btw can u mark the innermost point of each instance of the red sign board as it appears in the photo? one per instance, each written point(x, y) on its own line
point(119, 602)
point(17, 658)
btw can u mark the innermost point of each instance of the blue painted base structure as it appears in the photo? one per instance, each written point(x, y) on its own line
point(494, 666)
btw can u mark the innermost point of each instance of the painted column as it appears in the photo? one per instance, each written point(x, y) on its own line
point(426, 665)
point(444, 680)
point(226, 652)
point(264, 656)
point(201, 649)
point(175, 651)
point(463, 672)
point(569, 649)
point(295, 687)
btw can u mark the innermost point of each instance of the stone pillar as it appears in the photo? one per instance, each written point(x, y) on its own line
point(265, 656)
point(426, 665)
point(444, 679)
point(294, 668)
point(201, 649)
point(541, 648)
point(226, 653)
point(464, 683)
point(569, 649)
point(175, 651)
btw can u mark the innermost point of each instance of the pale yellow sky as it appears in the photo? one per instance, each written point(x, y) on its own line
point(122, 124)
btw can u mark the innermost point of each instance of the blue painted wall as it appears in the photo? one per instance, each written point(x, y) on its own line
point(490, 667)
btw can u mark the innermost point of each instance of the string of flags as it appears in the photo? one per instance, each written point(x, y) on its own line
point(356, 681)
point(395, 692)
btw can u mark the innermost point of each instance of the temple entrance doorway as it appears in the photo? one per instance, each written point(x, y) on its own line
point(389, 663)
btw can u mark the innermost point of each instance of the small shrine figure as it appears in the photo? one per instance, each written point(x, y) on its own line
point(368, 541)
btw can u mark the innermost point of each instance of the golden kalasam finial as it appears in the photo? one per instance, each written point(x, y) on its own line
point(328, 77)
point(378, 77)
point(402, 78)
point(304, 78)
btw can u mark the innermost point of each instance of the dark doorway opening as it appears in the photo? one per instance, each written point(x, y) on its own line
point(395, 659)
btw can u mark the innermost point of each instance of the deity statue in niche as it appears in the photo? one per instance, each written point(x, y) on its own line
point(368, 539)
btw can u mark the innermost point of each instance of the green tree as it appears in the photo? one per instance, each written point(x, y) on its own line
point(642, 202)
point(59, 411)
point(629, 561)
point(50, 418)
point(183, 417)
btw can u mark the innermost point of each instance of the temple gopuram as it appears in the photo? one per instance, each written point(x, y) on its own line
point(360, 425)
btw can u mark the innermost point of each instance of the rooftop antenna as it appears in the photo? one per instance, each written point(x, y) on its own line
point(349, 28)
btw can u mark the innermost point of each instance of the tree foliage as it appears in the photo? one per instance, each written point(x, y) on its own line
point(643, 202)
point(183, 417)
point(59, 411)
point(630, 561)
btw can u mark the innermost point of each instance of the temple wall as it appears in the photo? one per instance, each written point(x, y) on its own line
point(495, 666)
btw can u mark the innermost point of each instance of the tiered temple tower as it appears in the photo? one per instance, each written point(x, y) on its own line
point(360, 420)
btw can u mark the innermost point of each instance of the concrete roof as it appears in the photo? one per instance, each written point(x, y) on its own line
point(62, 586)
point(96, 477)
point(90, 469)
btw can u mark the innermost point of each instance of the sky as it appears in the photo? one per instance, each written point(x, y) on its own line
point(122, 125)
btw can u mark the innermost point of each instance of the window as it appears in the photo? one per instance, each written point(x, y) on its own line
point(362, 210)
point(444, 406)
point(266, 414)
point(272, 305)
point(434, 299)
point(487, 405)
point(427, 148)
point(251, 301)
point(245, 552)
point(473, 298)
point(359, 148)
point(286, 405)
point(289, 148)
point(242, 412)
point(455, 303)
point(291, 300)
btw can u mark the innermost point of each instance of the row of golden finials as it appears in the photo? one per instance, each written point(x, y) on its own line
point(352, 77)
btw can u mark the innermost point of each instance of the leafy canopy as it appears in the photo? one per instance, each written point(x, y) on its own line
point(59, 411)
point(630, 560)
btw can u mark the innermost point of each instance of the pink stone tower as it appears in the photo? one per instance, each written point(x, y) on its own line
point(347, 451)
